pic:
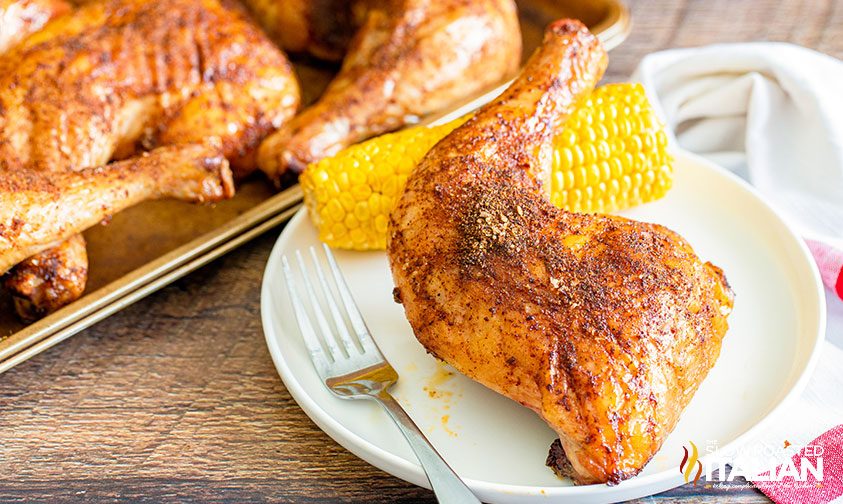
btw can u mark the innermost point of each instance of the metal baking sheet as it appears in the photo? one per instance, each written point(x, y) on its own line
point(153, 244)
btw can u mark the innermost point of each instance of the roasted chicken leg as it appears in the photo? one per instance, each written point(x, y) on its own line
point(118, 76)
point(408, 58)
point(602, 325)
point(38, 210)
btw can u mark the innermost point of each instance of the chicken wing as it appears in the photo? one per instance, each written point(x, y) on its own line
point(602, 325)
point(408, 58)
point(119, 76)
point(19, 18)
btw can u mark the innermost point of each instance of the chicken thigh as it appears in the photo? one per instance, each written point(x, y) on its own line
point(602, 325)
point(407, 58)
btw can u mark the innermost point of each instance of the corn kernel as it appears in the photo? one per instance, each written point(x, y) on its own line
point(361, 211)
point(579, 176)
point(335, 210)
point(587, 134)
point(568, 137)
point(566, 159)
point(590, 153)
point(593, 175)
point(626, 184)
point(578, 156)
point(603, 150)
point(361, 191)
point(633, 144)
point(381, 224)
point(351, 222)
point(605, 170)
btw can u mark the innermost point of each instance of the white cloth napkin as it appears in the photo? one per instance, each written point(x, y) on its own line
point(773, 114)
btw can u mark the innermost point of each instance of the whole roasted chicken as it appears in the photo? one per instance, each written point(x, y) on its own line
point(602, 325)
point(403, 59)
point(109, 80)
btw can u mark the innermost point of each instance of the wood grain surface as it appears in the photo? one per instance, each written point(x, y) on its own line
point(176, 398)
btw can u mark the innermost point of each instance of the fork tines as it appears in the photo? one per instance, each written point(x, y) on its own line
point(344, 339)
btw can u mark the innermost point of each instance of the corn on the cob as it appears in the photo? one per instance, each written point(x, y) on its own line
point(610, 155)
point(349, 196)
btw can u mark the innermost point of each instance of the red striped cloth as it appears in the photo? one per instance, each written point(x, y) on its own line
point(788, 490)
point(830, 262)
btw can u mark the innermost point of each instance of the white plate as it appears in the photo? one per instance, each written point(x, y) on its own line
point(498, 446)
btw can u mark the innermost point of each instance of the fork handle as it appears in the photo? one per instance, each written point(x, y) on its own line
point(447, 486)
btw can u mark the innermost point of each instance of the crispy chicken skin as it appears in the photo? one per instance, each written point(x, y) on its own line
point(118, 76)
point(602, 325)
point(19, 18)
point(408, 58)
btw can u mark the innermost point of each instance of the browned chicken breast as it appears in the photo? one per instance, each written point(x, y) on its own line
point(119, 76)
point(19, 18)
point(408, 58)
point(602, 325)
point(56, 206)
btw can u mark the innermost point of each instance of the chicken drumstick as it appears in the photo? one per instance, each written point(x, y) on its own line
point(38, 210)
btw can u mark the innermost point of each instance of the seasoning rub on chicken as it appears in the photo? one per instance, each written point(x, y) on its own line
point(602, 325)
point(114, 78)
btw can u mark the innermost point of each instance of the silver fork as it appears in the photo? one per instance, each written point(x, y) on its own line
point(351, 365)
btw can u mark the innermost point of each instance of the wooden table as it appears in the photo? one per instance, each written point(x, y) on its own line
point(176, 398)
